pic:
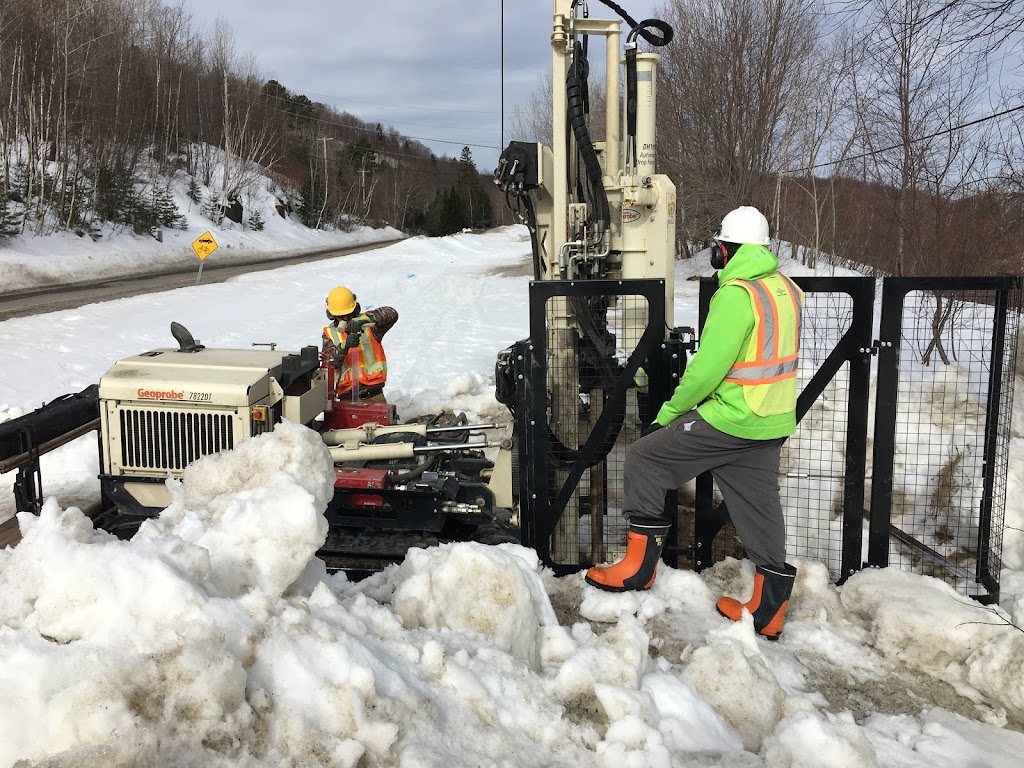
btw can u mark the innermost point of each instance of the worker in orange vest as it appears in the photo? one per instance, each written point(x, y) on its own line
point(730, 414)
point(352, 345)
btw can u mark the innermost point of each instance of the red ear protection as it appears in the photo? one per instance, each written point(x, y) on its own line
point(719, 254)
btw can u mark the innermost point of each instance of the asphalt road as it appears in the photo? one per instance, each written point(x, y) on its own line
point(54, 298)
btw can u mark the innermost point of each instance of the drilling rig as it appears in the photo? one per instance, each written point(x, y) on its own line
point(602, 352)
point(602, 344)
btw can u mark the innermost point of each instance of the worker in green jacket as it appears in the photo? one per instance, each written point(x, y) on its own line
point(730, 414)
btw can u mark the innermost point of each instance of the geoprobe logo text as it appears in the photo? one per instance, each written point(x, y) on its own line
point(159, 394)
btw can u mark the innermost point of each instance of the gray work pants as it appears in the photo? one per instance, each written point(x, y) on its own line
point(747, 472)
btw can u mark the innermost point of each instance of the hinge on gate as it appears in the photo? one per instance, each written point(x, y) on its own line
point(875, 346)
point(688, 337)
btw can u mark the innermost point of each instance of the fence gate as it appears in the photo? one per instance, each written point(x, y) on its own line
point(942, 395)
point(935, 478)
point(578, 409)
point(823, 463)
point(946, 357)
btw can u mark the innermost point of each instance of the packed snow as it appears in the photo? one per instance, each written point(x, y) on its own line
point(215, 637)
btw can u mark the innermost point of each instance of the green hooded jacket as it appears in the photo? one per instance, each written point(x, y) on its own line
point(725, 336)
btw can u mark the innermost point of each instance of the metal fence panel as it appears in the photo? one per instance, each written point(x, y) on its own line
point(579, 410)
point(946, 355)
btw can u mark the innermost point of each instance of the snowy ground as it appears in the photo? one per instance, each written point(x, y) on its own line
point(215, 638)
point(32, 262)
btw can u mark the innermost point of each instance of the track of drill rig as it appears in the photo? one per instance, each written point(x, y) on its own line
point(357, 550)
point(360, 552)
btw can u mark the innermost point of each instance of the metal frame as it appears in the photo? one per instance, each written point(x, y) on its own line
point(894, 293)
point(857, 347)
point(539, 513)
point(854, 347)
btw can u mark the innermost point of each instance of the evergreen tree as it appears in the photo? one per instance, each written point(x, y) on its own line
point(194, 193)
point(256, 221)
point(483, 210)
point(479, 211)
point(116, 199)
point(455, 212)
point(212, 209)
point(9, 225)
point(311, 202)
point(165, 210)
point(448, 213)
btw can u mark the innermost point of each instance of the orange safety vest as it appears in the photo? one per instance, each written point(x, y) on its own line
point(367, 359)
point(767, 371)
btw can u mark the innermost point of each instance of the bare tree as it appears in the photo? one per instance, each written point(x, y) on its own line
point(920, 84)
point(730, 80)
point(823, 136)
point(923, 83)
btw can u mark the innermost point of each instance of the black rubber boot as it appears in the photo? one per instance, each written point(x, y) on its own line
point(768, 604)
point(637, 569)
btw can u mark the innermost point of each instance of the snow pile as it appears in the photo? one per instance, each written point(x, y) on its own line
point(925, 625)
point(215, 638)
point(477, 589)
point(255, 510)
point(113, 250)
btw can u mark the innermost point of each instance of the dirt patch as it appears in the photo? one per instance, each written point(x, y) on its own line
point(523, 269)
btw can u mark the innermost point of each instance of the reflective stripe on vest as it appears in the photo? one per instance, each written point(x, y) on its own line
point(368, 359)
point(767, 371)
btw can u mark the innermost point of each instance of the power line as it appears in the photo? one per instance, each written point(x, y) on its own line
point(912, 141)
point(401, 106)
point(325, 121)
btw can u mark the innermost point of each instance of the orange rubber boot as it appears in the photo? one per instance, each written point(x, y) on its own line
point(768, 604)
point(638, 568)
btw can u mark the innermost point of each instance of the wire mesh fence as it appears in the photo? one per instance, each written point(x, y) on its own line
point(925, 492)
point(951, 404)
point(590, 342)
point(941, 391)
point(813, 467)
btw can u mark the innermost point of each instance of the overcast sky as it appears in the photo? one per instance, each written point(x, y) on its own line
point(431, 70)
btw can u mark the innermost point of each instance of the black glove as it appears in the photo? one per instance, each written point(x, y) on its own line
point(356, 324)
point(650, 429)
point(351, 341)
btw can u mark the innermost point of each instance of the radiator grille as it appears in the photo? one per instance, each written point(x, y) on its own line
point(171, 440)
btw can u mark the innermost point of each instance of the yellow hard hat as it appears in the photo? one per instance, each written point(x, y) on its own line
point(341, 301)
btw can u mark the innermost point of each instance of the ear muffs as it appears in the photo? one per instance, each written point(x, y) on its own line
point(719, 254)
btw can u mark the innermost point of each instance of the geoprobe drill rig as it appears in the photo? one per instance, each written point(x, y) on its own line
point(601, 352)
point(601, 348)
point(396, 485)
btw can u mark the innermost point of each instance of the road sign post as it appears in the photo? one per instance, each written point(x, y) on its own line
point(203, 245)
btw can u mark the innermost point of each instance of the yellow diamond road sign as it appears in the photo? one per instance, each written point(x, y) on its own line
point(204, 245)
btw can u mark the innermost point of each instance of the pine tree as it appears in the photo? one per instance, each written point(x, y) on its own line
point(448, 213)
point(194, 193)
point(256, 221)
point(165, 209)
point(479, 211)
point(212, 209)
point(8, 221)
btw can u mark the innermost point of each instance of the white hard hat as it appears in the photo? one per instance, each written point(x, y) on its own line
point(745, 224)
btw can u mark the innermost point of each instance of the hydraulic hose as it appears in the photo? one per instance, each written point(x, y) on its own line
point(575, 91)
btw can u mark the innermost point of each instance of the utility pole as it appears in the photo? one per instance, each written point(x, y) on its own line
point(362, 178)
point(323, 207)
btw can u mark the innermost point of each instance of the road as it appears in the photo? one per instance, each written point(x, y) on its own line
point(54, 298)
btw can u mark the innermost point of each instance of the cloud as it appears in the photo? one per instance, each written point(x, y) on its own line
point(429, 70)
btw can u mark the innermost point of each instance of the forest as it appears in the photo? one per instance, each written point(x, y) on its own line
point(103, 101)
point(886, 134)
